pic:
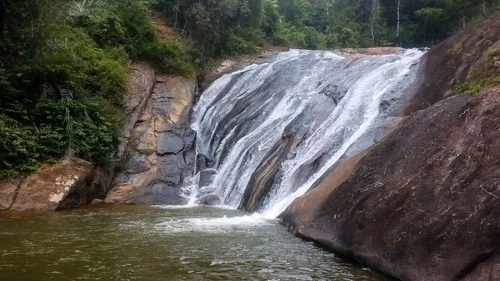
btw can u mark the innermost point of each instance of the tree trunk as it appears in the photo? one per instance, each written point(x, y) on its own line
point(374, 13)
point(177, 8)
point(2, 18)
point(398, 24)
point(463, 19)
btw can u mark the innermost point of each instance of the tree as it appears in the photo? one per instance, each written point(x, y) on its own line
point(398, 42)
point(2, 18)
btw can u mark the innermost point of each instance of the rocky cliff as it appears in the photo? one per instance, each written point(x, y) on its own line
point(424, 204)
point(157, 148)
point(154, 157)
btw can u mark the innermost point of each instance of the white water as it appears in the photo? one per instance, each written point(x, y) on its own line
point(327, 101)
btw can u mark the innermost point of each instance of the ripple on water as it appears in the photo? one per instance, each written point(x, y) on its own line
point(142, 243)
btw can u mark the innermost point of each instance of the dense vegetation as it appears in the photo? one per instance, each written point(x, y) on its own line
point(63, 68)
point(63, 64)
point(227, 27)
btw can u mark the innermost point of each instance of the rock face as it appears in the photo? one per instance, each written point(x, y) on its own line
point(265, 174)
point(63, 185)
point(157, 149)
point(8, 191)
point(453, 61)
point(424, 204)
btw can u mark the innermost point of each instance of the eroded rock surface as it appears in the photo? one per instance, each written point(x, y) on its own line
point(65, 184)
point(157, 149)
point(424, 204)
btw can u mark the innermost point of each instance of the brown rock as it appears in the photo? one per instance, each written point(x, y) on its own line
point(62, 185)
point(377, 51)
point(8, 191)
point(450, 62)
point(157, 145)
point(422, 205)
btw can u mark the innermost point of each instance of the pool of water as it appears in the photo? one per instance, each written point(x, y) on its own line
point(155, 243)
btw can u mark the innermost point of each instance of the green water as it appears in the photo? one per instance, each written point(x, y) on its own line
point(147, 243)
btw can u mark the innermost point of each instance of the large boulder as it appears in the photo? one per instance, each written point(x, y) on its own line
point(66, 184)
point(8, 189)
point(422, 205)
point(157, 147)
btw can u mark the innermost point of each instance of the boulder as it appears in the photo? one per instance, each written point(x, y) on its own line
point(62, 185)
point(422, 205)
point(206, 177)
point(209, 200)
point(201, 162)
point(8, 191)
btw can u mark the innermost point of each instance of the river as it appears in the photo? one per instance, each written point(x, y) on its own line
point(106, 242)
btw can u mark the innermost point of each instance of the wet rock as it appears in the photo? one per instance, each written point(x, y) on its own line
point(263, 177)
point(201, 162)
point(63, 185)
point(206, 177)
point(209, 200)
point(422, 205)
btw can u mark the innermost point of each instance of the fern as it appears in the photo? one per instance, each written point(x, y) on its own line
point(94, 9)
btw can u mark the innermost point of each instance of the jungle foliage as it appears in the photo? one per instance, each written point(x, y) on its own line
point(228, 27)
point(63, 70)
point(63, 63)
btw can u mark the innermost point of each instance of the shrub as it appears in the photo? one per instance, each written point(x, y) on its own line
point(169, 58)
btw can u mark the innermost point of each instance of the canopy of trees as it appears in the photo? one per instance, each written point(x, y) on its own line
point(225, 27)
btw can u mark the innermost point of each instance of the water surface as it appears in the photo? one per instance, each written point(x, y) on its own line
point(151, 243)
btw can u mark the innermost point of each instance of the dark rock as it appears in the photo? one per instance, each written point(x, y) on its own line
point(170, 169)
point(138, 163)
point(451, 61)
point(169, 143)
point(189, 137)
point(201, 162)
point(262, 179)
point(209, 200)
point(422, 205)
point(206, 177)
point(165, 194)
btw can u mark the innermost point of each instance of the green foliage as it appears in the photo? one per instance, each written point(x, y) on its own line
point(63, 70)
point(220, 27)
point(476, 85)
point(169, 58)
point(485, 76)
point(63, 64)
point(492, 58)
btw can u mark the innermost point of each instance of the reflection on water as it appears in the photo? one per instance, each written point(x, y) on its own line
point(144, 243)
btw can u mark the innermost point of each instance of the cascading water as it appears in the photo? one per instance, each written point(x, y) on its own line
point(270, 131)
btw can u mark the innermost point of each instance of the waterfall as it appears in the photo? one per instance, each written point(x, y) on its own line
point(268, 132)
